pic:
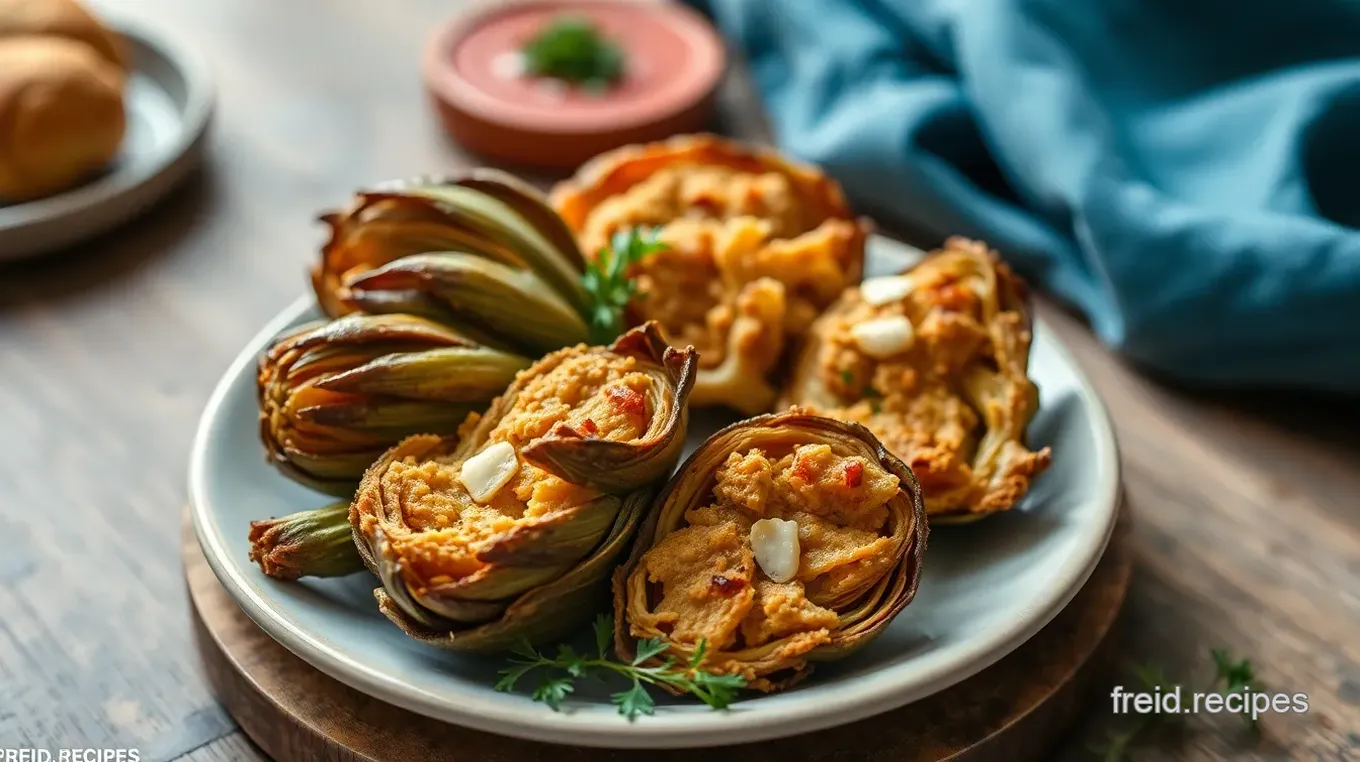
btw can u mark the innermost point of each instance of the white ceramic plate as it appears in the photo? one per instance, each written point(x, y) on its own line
point(986, 587)
point(169, 104)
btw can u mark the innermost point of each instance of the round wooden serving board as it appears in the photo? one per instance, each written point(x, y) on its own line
point(1015, 710)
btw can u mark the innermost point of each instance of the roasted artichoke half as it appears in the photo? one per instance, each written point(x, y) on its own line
point(333, 396)
point(934, 361)
point(482, 252)
point(783, 540)
point(757, 246)
point(511, 530)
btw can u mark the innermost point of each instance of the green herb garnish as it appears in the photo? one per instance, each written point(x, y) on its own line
point(561, 671)
point(571, 48)
point(1235, 677)
point(606, 280)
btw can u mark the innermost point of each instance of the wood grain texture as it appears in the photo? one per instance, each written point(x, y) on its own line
point(1248, 532)
point(1013, 711)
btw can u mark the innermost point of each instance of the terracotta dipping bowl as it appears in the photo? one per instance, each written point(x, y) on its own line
point(673, 63)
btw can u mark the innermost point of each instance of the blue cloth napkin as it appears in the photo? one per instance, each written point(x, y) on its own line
point(1186, 172)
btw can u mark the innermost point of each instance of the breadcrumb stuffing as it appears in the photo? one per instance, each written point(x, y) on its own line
point(712, 588)
point(598, 395)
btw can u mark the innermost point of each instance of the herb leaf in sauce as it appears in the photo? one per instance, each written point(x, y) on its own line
point(573, 49)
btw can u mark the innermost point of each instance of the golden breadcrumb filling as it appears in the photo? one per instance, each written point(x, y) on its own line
point(598, 396)
point(708, 584)
point(744, 268)
point(923, 402)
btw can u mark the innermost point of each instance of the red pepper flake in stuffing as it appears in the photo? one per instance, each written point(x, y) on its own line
point(627, 399)
point(954, 297)
point(727, 587)
point(854, 474)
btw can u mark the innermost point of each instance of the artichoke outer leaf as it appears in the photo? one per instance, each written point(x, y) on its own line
point(499, 221)
point(516, 305)
point(562, 537)
point(542, 615)
point(451, 374)
point(530, 204)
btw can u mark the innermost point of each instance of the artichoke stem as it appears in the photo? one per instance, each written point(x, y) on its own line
point(317, 543)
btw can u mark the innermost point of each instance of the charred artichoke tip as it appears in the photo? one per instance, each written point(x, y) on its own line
point(316, 543)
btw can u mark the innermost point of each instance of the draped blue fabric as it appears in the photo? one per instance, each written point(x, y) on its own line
point(1185, 172)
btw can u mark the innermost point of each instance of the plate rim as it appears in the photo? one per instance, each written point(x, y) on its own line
point(196, 113)
point(875, 693)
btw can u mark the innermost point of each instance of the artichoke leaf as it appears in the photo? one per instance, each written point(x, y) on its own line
point(530, 204)
point(457, 374)
point(386, 416)
point(544, 614)
point(515, 305)
point(484, 212)
point(498, 221)
point(326, 438)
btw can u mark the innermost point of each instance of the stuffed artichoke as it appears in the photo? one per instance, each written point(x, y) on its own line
point(756, 247)
point(511, 529)
point(783, 540)
point(481, 252)
point(934, 361)
point(333, 396)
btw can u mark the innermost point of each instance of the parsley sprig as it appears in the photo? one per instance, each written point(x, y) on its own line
point(573, 49)
point(606, 280)
point(559, 673)
point(1231, 676)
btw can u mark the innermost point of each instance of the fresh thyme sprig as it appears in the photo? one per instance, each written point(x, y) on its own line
point(1231, 676)
point(718, 691)
point(606, 280)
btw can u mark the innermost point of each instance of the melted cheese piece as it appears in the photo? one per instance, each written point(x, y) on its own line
point(486, 472)
point(775, 544)
point(891, 288)
point(884, 337)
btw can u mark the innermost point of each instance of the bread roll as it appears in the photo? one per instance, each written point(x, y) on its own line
point(61, 97)
point(60, 18)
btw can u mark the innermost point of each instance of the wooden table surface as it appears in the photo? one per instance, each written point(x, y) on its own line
point(1246, 508)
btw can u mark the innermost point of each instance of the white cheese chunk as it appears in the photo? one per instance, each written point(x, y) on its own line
point(884, 337)
point(486, 472)
point(889, 288)
point(775, 543)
